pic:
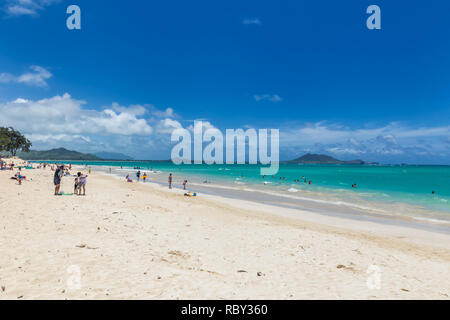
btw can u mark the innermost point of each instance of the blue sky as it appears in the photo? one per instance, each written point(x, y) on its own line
point(138, 69)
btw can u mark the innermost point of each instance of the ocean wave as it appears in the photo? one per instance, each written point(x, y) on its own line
point(432, 220)
point(316, 200)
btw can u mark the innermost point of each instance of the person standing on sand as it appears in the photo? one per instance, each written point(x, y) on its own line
point(138, 175)
point(184, 184)
point(57, 179)
point(75, 187)
point(170, 181)
point(82, 180)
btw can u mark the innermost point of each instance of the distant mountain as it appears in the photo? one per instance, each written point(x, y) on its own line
point(113, 156)
point(323, 159)
point(56, 154)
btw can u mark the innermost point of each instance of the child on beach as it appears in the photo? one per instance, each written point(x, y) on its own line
point(75, 187)
point(82, 180)
point(170, 181)
point(184, 184)
point(19, 177)
point(144, 177)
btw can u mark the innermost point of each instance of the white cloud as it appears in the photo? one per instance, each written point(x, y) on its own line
point(57, 138)
point(147, 109)
point(267, 97)
point(136, 110)
point(121, 123)
point(248, 21)
point(168, 125)
point(382, 142)
point(62, 121)
point(20, 100)
point(65, 115)
point(169, 113)
point(143, 131)
point(201, 124)
point(18, 8)
point(38, 77)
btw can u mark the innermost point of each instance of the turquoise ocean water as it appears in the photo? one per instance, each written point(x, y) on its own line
point(400, 188)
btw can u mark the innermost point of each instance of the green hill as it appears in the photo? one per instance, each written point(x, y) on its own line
point(323, 159)
point(56, 154)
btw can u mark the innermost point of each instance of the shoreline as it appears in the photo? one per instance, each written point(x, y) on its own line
point(381, 225)
point(144, 241)
point(342, 209)
point(434, 210)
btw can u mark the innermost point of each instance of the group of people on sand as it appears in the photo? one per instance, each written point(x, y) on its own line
point(143, 177)
point(10, 166)
point(79, 183)
point(5, 166)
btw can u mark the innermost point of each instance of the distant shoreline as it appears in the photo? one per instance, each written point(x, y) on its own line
point(318, 206)
point(227, 182)
point(225, 164)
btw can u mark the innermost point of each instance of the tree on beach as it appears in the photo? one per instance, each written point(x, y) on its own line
point(4, 139)
point(12, 141)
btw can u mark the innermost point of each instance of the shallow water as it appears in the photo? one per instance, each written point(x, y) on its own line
point(395, 190)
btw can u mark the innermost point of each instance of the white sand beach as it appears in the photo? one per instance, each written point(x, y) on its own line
point(143, 241)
